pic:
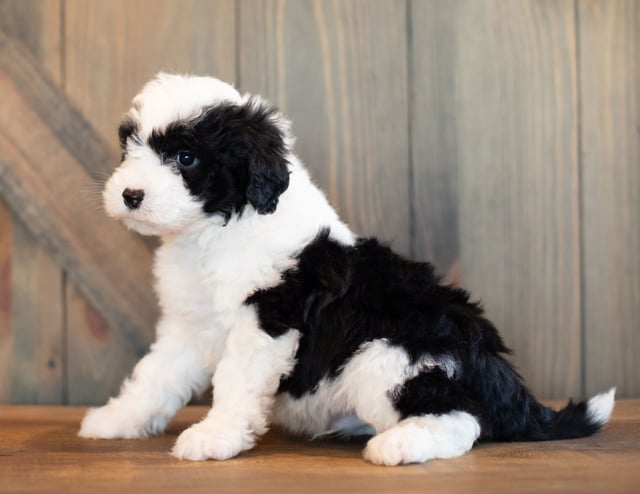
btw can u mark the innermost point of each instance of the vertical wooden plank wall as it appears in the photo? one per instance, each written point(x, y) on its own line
point(495, 138)
point(435, 42)
point(496, 170)
point(32, 324)
point(610, 152)
point(6, 297)
point(338, 70)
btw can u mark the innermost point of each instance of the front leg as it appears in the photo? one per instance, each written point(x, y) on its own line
point(244, 387)
point(161, 383)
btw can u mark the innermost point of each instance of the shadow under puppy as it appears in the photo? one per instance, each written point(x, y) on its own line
point(267, 294)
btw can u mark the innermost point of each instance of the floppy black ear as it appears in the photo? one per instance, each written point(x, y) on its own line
point(266, 139)
point(267, 180)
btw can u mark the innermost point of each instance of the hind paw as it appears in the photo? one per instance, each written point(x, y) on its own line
point(419, 439)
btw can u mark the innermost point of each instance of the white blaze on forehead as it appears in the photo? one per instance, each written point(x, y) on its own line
point(171, 97)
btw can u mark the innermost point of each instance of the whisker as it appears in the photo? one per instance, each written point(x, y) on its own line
point(99, 176)
point(91, 194)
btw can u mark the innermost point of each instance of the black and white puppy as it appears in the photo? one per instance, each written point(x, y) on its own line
point(295, 320)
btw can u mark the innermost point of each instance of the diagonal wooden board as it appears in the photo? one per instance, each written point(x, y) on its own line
point(49, 157)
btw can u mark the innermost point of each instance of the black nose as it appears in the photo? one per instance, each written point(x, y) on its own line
point(133, 197)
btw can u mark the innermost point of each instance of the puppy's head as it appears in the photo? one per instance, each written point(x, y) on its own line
point(193, 147)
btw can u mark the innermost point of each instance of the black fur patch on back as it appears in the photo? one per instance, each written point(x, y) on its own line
point(340, 297)
point(242, 156)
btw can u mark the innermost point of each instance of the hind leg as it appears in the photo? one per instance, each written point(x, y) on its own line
point(437, 420)
point(422, 438)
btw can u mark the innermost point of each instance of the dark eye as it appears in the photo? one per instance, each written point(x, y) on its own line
point(186, 159)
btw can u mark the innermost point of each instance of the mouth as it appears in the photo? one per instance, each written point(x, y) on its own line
point(141, 226)
point(116, 209)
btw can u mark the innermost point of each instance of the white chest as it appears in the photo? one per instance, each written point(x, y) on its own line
point(206, 278)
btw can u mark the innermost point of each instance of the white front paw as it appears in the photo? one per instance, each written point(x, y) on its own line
point(110, 422)
point(216, 438)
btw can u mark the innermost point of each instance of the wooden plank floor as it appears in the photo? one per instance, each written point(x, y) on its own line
point(40, 452)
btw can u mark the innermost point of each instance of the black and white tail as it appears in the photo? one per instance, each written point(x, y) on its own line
point(577, 419)
point(516, 415)
point(512, 413)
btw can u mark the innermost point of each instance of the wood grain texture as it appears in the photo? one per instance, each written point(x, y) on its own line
point(43, 183)
point(6, 338)
point(114, 47)
point(610, 155)
point(33, 370)
point(474, 133)
point(37, 24)
point(31, 22)
point(435, 45)
point(37, 365)
point(339, 71)
point(40, 452)
point(504, 115)
point(99, 356)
